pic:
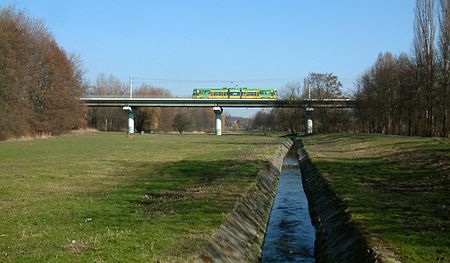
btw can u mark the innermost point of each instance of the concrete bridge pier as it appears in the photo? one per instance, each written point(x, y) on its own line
point(309, 121)
point(218, 112)
point(131, 115)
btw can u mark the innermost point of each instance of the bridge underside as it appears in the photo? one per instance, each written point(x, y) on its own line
point(130, 104)
point(234, 103)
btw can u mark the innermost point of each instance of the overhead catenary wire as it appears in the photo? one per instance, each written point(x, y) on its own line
point(225, 80)
point(208, 81)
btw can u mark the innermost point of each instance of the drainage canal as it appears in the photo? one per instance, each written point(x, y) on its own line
point(290, 233)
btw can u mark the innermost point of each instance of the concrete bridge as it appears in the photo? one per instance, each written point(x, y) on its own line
point(129, 105)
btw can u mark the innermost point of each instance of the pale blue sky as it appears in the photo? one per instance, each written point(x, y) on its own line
point(254, 43)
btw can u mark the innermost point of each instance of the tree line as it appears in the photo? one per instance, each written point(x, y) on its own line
point(405, 94)
point(39, 82)
point(408, 94)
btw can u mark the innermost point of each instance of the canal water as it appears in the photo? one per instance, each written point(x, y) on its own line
point(290, 233)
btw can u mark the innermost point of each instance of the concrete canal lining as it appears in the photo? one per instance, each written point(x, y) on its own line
point(338, 239)
point(241, 236)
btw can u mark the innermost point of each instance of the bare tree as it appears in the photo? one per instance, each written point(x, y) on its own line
point(149, 118)
point(291, 119)
point(405, 95)
point(325, 86)
point(424, 27)
point(264, 120)
point(108, 118)
point(444, 61)
point(180, 122)
point(200, 119)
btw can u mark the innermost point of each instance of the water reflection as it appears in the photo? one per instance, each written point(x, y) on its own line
point(290, 234)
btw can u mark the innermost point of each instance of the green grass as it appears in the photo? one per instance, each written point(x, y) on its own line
point(397, 188)
point(103, 197)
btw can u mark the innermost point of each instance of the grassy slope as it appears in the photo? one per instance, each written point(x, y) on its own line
point(397, 187)
point(104, 197)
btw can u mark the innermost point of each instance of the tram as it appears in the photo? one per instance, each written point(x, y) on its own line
point(234, 93)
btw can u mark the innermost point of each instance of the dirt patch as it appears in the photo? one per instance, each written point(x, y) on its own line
point(77, 247)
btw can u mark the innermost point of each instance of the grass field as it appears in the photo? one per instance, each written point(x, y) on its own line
point(103, 197)
point(398, 188)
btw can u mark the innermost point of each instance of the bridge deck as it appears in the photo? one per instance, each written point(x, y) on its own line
point(235, 103)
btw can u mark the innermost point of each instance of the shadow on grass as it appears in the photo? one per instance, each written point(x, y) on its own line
point(398, 187)
point(191, 186)
point(327, 139)
point(183, 202)
point(247, 143)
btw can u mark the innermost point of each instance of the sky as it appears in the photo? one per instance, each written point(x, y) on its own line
point(179, 45)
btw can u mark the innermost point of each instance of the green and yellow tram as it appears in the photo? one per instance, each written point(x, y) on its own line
point(234, 93)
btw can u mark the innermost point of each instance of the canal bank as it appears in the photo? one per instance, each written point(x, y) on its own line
point(338, 239)
point(240, 238)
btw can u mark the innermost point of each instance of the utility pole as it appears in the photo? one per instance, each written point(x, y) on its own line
point(306, 85)
point(309, 111)
point(309, 89)
point(131, 86)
